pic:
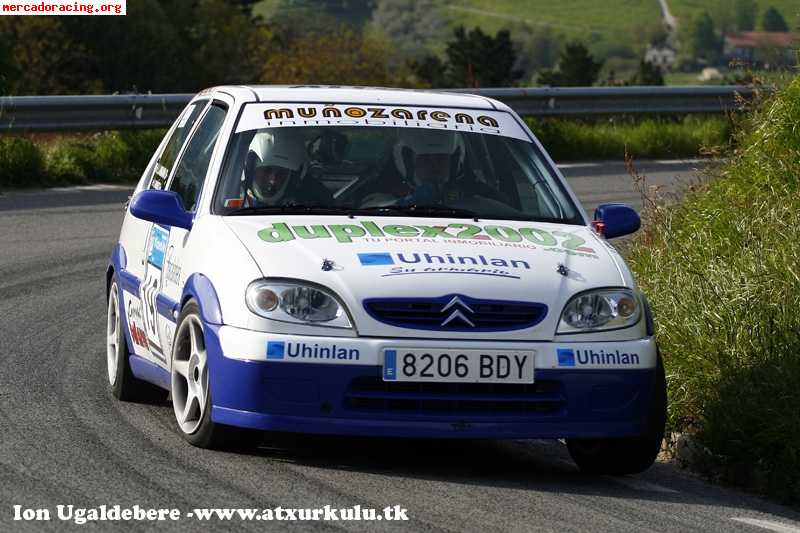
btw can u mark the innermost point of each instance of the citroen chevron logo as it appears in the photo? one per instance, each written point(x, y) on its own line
point(459, 307)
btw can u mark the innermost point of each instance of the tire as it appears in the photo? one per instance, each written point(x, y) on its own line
point(123, 385)
point(190, 390)
point(630, 455)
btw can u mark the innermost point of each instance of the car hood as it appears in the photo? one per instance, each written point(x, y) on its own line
point(384, 258)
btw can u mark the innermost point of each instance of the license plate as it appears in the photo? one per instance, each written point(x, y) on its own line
point(474, 366)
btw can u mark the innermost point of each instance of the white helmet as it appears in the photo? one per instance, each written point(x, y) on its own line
point(413, 142)
point(281, 165)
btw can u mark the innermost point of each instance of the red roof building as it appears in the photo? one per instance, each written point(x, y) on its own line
point(762, 47)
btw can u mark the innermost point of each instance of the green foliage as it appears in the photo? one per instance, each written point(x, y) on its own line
point(476, 59)
point(66, 163)
point(9, 71)
point(411, 25)
point(721, 272)
point(337, 56)
point(431, 71)
point(537, 48)
point(578, 140)
point(648, 74)
point(576, 68)
point(169, 46)
point(702, 40)
point(746, 12)
point(45, 58)
point(103, 157)
point(774, 21)
point(21, 162)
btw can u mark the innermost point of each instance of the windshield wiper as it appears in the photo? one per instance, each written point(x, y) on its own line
point(417, 210)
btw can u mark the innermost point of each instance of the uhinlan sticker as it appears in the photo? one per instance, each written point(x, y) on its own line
point(283, 115)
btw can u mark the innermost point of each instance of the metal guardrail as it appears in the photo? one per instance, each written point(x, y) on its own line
point(576, 101)
point(62, 113)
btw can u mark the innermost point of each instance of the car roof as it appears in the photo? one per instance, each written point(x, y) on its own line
point(357, 95)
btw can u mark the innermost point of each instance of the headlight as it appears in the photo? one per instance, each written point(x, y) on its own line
point(296, 302)
point(600, 310)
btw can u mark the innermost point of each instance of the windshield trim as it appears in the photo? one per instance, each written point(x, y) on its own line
point(580, 218)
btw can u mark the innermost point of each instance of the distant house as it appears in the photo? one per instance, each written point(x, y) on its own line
point(762, 48)
point(661, 57)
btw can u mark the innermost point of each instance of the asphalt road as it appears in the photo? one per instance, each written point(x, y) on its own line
point(65, 441)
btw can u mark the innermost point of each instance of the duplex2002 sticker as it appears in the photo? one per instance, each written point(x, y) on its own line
point(560, 241)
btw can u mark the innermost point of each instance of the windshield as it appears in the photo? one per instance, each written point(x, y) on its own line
point(481, 167)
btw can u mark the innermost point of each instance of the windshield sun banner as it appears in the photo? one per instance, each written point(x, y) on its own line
point(283, 115)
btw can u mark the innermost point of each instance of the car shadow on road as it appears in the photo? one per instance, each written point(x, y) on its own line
point(535, 465)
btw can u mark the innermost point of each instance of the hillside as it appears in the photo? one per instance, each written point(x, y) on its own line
point(617, 31)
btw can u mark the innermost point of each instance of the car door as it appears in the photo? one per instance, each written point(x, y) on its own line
point(164, 279)
point(138, 238)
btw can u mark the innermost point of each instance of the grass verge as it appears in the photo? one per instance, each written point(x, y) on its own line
point(649, 138)
point(722, 271)
point(121, 156)
point(112, 156)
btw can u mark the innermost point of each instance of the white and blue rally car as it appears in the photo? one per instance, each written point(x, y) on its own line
point(380, 263)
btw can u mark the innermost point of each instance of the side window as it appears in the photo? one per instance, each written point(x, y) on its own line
point(167, 158)
point(191, 170)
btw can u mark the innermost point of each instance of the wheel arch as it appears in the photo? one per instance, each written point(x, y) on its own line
point(199, 288)
point(116, 264)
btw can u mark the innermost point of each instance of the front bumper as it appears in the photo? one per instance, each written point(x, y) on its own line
point(593, 394)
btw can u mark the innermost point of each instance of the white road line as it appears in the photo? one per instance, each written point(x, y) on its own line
point(97, 187)
point(679, 161)
point(771, 525)
point(640, 484)
point(664, 162)
point(580, 165)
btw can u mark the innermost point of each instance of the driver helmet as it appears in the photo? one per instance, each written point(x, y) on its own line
point(424, 157)
point(280, 167)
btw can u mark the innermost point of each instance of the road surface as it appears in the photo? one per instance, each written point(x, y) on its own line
point(64, 441)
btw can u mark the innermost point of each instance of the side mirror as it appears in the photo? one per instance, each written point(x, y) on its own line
point(161, 207)
point(615, 220)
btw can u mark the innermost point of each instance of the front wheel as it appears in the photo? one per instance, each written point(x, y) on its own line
point(191, 393)
point(629, 455)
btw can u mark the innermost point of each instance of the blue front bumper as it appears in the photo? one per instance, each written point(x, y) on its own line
point(353, 400)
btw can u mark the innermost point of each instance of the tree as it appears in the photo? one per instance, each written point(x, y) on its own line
point(227, 47)
point(9, 71)
point(245, 5)
point(774, 21)
point(647, 74)
point(430, 70)
point(703, 41)
point(746, 12)
point(45, 58)
point(340, 56)
point(576, 68)
point(476, 59)
point(537, 49)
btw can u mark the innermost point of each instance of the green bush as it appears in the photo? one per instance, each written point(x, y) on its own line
point(21, 162)
point(67, 162)
point(111, 156)
point(580, 140)
point(722, 271)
